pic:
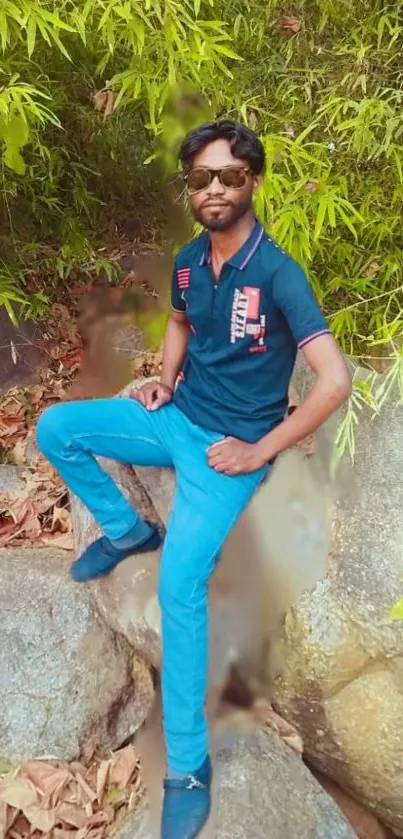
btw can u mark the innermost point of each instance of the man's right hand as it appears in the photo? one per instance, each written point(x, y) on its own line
point(153, 395)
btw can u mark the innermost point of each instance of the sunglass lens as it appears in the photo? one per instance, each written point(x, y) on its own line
point(198, 179)
point(233, 177)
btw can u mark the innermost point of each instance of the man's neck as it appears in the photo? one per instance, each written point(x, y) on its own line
point(227, 243)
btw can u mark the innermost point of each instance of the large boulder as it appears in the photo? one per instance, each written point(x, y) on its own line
point(65, 676)
point(261, 572)
point(261, 789)
point(342, 684)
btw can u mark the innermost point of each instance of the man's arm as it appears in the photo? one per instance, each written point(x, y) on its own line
point(330, 389)
point(155, 394)
point(295, 299)
point(175, 344)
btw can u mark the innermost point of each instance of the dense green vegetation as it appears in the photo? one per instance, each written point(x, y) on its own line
point(320, 81)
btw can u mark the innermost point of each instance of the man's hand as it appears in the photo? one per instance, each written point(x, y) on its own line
point(233, 457)
point(153, 395)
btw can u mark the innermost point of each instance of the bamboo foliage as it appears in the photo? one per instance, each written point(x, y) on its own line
point(321, 83)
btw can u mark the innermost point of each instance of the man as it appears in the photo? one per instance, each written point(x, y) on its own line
point(240, 309)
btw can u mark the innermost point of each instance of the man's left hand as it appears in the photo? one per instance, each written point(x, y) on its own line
point(234, 457)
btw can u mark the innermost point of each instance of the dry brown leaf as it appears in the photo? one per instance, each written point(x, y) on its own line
point(51, 781)
point(101, 817)
point(59, 833)
point(284, 729)
point(65, 541)
point(102, 777)
point(18, 792)
point(61, 519)
point(40, 819)
point(110, 103)
point(91, 795)
point(71, 815)
point(3, 819)
point(100, 99)
point(372, 269)
point(123, 767)
point(295, 743)
point(290, 25)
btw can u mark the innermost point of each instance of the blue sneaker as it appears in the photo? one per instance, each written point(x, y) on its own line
point(101, 557)
point(187, 803)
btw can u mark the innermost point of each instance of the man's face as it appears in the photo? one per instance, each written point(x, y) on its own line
point(218, 207)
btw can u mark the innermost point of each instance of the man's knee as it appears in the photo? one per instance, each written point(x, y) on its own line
point(180, 589)
point(49, 429)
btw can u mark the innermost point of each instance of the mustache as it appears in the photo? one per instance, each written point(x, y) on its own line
point(210, 203)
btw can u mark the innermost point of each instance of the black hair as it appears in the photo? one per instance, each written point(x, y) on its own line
point(243, 142)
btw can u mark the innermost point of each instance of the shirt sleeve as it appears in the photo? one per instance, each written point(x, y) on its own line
point(294, 297)
point(177, 301)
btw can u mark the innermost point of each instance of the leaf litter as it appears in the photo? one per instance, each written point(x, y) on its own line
point(37, 510)
point(60, 800)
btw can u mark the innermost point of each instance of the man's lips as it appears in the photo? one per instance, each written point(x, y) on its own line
point(216, 206)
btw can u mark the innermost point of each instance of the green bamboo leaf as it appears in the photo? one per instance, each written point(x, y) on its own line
point(4, 33)
point(55, 21)
point(320, 218)
point(227, 51)
point(31, 34)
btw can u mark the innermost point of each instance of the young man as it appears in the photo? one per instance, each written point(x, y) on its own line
point(240, 309)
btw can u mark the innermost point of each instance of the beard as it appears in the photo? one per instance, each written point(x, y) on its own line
point(222, 219)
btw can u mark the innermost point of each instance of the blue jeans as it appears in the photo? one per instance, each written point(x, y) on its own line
point(206, 506)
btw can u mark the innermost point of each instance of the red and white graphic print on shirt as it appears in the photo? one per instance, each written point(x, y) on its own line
point(183, 277)
point(245, 310)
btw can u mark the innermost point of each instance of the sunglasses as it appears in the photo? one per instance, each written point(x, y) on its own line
point(231, 177)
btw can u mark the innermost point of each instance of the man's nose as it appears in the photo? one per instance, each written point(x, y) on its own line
point(216, 187)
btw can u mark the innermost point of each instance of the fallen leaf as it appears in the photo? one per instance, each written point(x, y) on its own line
point(86, 788)
point(48, 779)
point(59, 833)
point(61, 519)
point(123, 767)
point(65, 541)
point(101, 817)
point(71, 815)
point(100, 99)
point(372, 269)
point(102, 777)
point(289, 25)
point(40, 819)
point(110, 103)
point(18, 792)
point(3, 819)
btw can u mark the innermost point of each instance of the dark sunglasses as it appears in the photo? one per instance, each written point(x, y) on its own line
point(231, 177)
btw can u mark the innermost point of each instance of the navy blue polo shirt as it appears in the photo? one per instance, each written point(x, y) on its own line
point(244, 334)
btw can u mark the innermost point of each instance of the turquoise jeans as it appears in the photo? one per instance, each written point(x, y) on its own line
point(205, 507)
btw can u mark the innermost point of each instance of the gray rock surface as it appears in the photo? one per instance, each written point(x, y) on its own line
point(65, 675)
point(262, 789)
point(10, 479)
point(343, 680)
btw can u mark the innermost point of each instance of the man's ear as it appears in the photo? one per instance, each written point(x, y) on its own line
point(257, 182)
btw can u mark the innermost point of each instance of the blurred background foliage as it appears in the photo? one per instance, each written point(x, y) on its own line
point(95, 96)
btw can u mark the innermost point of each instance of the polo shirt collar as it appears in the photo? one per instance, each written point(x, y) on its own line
point(245, 253)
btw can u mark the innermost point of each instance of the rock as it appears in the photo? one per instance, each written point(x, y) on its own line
point(10, 479)
point(126, 599)
point(262, 789)
point(65, 676)
point(365, 824)
point(342, 686)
